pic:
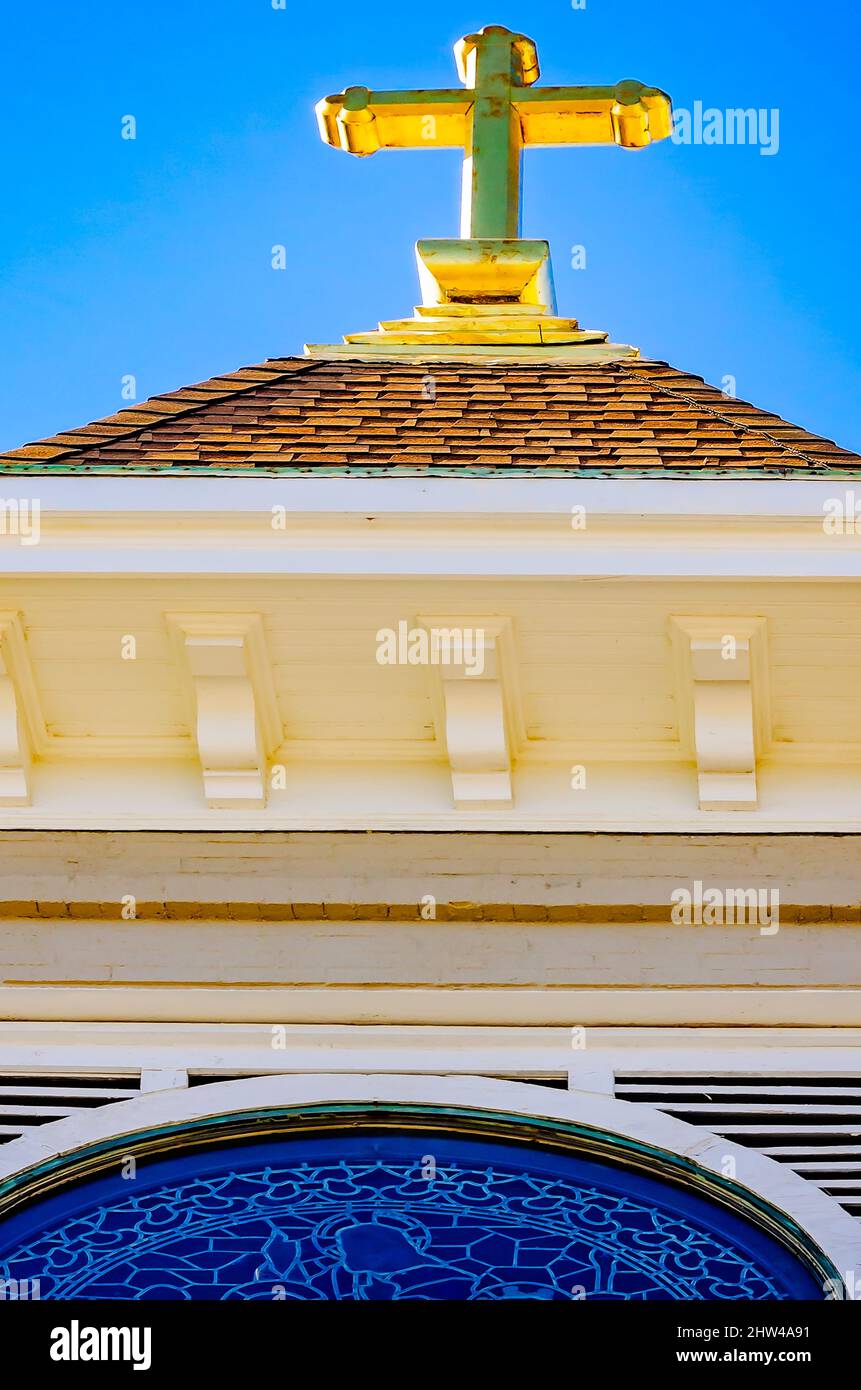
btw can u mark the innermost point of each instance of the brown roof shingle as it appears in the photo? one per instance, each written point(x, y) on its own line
point(301, 415)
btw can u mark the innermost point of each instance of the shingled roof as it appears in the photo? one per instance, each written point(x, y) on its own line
point(295, 415)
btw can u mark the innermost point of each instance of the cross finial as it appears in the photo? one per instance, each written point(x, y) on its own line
point(497, 114)
point(489, 288)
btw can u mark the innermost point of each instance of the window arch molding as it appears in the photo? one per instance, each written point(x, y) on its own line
point(762, 1192)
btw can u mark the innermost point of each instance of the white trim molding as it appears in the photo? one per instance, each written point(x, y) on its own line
point(420, 1004)
point(490, 526)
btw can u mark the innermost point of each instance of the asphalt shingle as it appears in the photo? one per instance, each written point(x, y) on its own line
point(353, 415)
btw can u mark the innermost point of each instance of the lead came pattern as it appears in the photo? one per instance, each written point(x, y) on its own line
point(377, 1229)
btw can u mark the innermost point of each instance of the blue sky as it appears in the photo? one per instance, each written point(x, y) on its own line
point(152, 258)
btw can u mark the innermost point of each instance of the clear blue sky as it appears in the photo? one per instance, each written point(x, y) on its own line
point(152, 257)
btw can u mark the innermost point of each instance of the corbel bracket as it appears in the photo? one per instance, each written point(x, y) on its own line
point(722, 679)
point(478, 709)
point(236, 717)
point(22, 727)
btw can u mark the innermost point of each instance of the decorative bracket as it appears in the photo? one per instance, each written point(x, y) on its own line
point(22, 728)
point(723, 687)
point(236, 709)
point(477, 706)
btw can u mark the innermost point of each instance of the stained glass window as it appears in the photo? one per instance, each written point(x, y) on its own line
point(391, 1216)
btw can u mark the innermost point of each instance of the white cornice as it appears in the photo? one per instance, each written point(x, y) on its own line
point(496, 533)
point(618, 496)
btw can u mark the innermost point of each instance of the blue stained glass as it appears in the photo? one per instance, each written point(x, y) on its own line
point(391, 1216)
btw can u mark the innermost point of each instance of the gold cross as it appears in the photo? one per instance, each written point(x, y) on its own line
point(498, 113)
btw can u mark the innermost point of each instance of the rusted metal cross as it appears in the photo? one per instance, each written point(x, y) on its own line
point(498, 113)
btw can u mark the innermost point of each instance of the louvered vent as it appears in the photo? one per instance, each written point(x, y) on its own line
point(211, 1078)
point(27, 1101)
point(556, 1083)
point(810, 1123)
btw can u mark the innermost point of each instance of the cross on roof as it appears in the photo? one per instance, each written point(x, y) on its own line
point(499, 112)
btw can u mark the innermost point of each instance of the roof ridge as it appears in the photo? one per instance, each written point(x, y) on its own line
point(96, 432)
point(726, 419)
